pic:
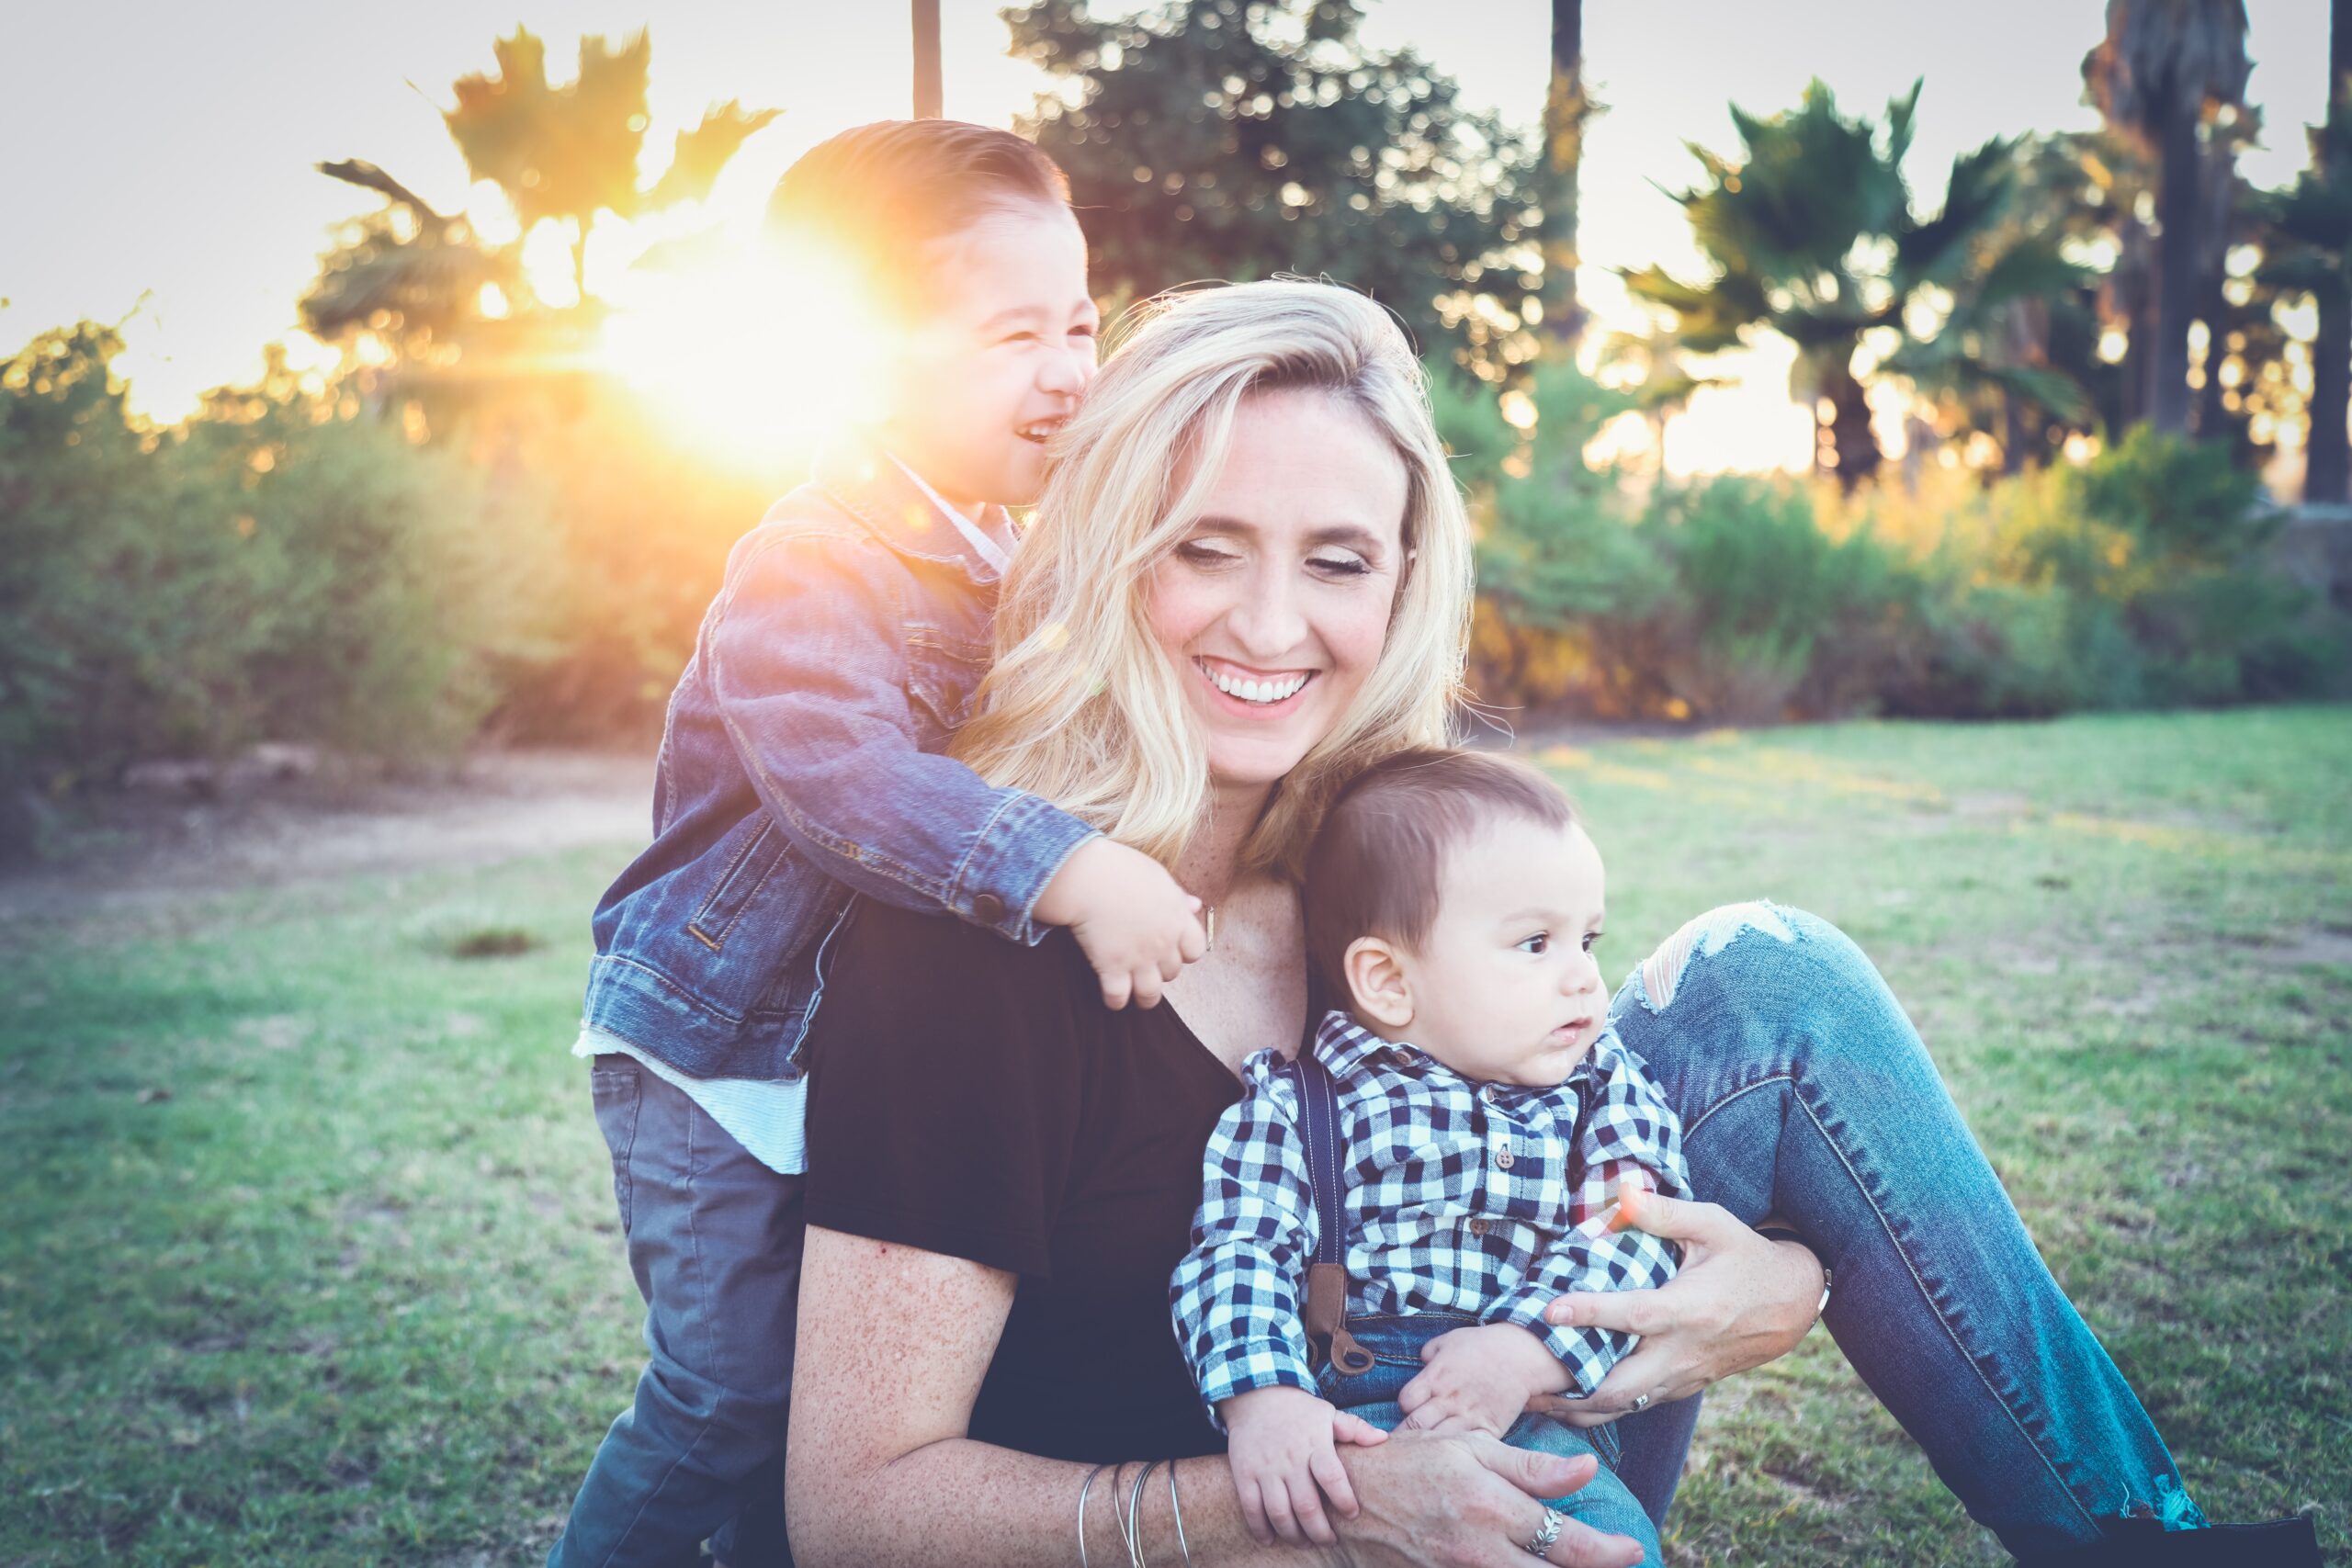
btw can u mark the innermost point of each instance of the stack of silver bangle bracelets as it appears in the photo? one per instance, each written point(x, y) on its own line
point(1130, 1520)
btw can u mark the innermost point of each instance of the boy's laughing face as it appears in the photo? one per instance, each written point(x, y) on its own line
point(996, 362)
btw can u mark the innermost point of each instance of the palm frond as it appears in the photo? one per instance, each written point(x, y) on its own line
point(367, 177)
point(1979, 191)
point(702, 152)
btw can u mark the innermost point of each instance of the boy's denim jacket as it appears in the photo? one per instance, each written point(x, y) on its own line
point(800, 762)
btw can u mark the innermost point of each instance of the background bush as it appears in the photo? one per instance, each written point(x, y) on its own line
point(292, 564)
point(2140, 579)
point(641, 527)
point(272, 571)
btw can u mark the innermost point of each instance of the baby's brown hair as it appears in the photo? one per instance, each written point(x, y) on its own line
point(1378, 860)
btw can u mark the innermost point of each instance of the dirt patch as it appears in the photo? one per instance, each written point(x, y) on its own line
point(163, 847)
point(2328, 945)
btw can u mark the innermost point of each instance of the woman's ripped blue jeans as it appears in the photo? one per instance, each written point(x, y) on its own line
point(1805, 1093)
point(1396, 1346)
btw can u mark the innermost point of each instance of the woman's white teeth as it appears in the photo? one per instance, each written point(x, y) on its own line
point(1274, 691)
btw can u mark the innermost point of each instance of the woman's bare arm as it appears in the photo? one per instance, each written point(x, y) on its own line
point(893, 1344)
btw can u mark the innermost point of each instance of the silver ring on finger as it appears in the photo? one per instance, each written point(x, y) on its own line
point(1641, 1403)
point(1539, 1544)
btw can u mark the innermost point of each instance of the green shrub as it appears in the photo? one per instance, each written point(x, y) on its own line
point(1557, 543)
point(1994, 650)
point(2234, 634)
point(1769, 611)
point(2181, 502)
point(269, 572)
point(643, 527)
point(2177, 539)
point(2140, 579)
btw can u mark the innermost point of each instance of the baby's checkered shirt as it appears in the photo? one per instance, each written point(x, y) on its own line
point(1461, 1196)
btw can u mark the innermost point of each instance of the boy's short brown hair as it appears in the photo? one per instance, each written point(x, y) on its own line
point(1378, 860)
point(883, 195)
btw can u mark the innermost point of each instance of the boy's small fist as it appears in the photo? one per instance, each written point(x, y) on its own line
point(1283, 1452)
point(1136, 925)
point(1479, 1379)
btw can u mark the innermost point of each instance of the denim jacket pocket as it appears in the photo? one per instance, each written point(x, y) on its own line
point(942, 676)
point(749, 865)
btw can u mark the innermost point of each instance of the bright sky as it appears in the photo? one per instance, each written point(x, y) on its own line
point(156, 158)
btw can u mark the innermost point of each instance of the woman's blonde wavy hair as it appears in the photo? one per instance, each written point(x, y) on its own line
point(1083, 706)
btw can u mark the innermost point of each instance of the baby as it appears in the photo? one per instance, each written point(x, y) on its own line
point(1487, 1113)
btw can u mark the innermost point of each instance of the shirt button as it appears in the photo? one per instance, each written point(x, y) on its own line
point(1477, 1227)
point(1486, 1092)
point(1505, 1160)
point(987, 908)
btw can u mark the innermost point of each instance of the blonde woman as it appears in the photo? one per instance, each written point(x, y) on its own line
point(1250, 577)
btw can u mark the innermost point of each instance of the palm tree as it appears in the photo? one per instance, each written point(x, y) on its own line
point(1812, 235)
point(927, 88)
point(1566, 108)
point(2162, 67)
point(2016, 357)
point(2309, 251)
point(1993, 361)
point(2308, 246)
point(569, 153)
point(416, 277)
point(405, 263)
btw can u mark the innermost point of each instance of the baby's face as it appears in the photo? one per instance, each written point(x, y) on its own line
point(1505, 988)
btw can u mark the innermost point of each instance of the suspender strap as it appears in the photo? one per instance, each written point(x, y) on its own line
point(1326, 1312)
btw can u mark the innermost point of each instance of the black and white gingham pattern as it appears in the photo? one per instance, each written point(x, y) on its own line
point(1461, 1196)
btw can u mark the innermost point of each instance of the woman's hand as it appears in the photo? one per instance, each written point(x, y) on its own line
point(1466, 1500)
point(1739, 1301)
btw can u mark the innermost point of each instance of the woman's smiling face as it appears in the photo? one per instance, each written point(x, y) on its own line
point(1275, 607)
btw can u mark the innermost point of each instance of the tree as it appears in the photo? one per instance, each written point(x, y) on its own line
point(2307, 245)
point(1239, 137)
point(1812, 235)
point(569, 153)
point(1566, 108)
point(2164, 67)
point(425, 285)
point(516, 386)
point(2309, 251)
point(405, 270)
point(1556, 542)
point(2016, 357)
point(2087, 189)
point(926, 33)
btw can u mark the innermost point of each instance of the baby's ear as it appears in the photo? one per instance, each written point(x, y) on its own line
point(1377, 982)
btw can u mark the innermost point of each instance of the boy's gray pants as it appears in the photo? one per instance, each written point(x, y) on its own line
point(715, 1240)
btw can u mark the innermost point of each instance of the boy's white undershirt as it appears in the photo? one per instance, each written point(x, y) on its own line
point(998, 554)
point(764, 1115)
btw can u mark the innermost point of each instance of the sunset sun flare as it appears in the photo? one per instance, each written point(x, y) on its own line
point(754, 353)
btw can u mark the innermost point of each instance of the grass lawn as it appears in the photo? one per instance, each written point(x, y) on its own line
point(309, 1252)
